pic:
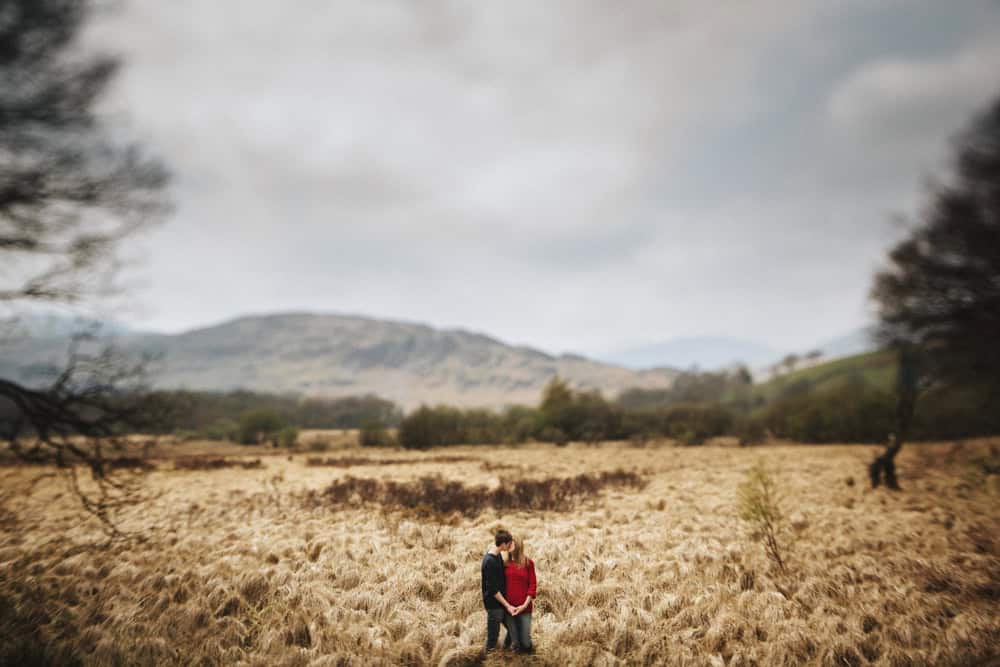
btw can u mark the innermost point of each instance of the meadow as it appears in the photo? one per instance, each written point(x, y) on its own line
point(346, 558)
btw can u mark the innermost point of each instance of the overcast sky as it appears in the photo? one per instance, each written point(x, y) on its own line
point(577, 176)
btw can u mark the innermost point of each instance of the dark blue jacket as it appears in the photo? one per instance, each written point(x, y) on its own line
point(494, 580)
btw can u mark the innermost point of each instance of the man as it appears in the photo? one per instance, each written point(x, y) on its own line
point(494, 585)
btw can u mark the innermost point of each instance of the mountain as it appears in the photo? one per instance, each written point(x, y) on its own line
point(338, 355)
point(850, 344)
point(54, 324)
point(705, 352)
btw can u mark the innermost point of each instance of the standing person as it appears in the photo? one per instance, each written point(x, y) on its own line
point(494, 584)
point(522, 588)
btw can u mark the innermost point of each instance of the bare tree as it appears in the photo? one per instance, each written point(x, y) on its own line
point(939, 298)
point(70, 191)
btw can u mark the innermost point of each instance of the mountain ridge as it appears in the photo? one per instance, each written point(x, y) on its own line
point(335, 355)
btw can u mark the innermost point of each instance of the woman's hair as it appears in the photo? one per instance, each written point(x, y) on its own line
point(517, 554)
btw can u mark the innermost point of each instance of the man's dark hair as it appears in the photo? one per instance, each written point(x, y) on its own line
point(502, 537)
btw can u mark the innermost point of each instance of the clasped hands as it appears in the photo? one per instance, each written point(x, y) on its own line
point(514, 611)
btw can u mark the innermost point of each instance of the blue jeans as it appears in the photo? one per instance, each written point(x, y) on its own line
point(519, 632)
point(494, 617)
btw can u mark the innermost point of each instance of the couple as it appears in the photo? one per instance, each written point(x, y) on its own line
point(508, 589)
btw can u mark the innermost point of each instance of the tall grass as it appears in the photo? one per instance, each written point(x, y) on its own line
point(658, 575)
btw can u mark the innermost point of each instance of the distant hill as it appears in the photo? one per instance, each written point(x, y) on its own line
point(856, 342)
point(705, 352)
point(853, 343)
point(874, 369)
point(338, 355)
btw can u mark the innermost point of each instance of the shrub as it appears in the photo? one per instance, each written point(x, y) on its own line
point(434, 494)
point(427, 427)
point(850, 413)
point(694, 423)
point(521, 423)
point(758, 506)
point(319, 445)
point(288, 436)
point(445, 425)
point(185, 435)
point(259, 425)
point(751, 431)
point(208, 463)
point(375, 434)
point(221, 429)
point(554, 435)
point(579, 415)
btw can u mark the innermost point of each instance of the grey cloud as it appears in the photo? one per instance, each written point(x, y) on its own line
point(575, 175)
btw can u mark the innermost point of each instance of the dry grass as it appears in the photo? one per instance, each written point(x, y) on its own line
point(238, 570)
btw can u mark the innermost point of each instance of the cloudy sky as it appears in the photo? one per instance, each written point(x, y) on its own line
point(575, 175)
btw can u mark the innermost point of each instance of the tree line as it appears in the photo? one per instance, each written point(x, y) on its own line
point(253, 417)
point(854, 410)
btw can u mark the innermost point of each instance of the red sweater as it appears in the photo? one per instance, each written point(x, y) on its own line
point(520, 584)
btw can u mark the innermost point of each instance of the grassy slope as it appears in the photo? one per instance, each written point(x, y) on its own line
point(877, 369)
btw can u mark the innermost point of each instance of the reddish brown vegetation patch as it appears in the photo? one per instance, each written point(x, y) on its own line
point(433, 494)
point(490, 466)
point(352, 461)
point(206, 463)
point(130, 463)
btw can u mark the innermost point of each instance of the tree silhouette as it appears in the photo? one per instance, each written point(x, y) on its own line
point(70, 191)
point(939, 298)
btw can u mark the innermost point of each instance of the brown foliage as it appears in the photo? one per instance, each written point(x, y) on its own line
point(209, 463)
point(434, 494)
point(353, 461)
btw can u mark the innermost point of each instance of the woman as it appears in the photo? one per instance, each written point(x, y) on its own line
point(522, 588)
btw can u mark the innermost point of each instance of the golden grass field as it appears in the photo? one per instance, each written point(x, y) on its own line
point(237, 568)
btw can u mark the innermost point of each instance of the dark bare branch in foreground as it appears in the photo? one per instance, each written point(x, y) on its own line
point(80, 421)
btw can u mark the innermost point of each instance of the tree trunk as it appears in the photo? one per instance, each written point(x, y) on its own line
point(906, 400)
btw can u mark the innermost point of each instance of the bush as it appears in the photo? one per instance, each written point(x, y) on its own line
point(758, 506)
point(437, 495)
point(847, 414)
point(694, 423)
point(185, 435)
point(443, 425)
point(319, 445)
point(288, 437)
point(751, 431)
point(375, 434)
point(221, 429)
point(578, 415)
point(208, 463)
point(554, 435)
point(258, 426)
point(950, 412)
point(520, 423)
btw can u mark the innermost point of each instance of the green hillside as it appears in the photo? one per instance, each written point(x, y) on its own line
point(853, 400)
point(874, 370)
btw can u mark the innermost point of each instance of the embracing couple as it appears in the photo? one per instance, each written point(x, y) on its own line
point(508, 589)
